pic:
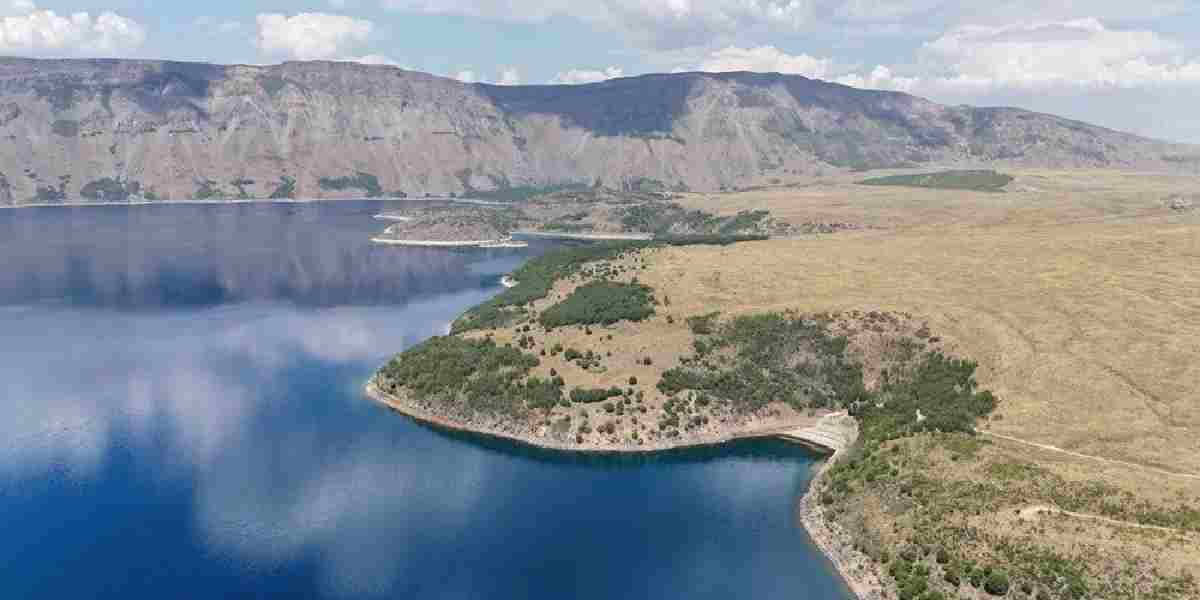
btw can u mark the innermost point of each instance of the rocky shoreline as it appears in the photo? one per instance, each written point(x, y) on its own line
point(855, 568)
point(808, 434)
point(831, 433)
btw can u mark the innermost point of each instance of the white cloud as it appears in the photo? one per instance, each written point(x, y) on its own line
point(508, 10)
point(28, 30)
point(1077, 53)
point(976, 61)
point(575, 76)
point(662, 25)
point(767, 59)
point(309, 36)
point(509, 76)
point(880, 78)
point(659, 24)
point(971, 60)
point(466, 76)
point(1010, 11)
point(16, 7)
point(374, 59)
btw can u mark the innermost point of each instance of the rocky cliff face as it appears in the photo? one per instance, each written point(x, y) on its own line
point(113, 130)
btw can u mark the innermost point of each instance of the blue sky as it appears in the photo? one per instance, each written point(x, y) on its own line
point(1131, 66)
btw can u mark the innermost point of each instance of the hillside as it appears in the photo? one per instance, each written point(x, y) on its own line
point(1058, 460)
point(116, 130)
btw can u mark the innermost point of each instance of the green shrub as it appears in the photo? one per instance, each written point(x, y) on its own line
point(484, 376)
point(996, 583)
point(600, 303)
point(941, 389)
point(360, 181)
point(771, 357)
point(592, 396)
point(534, 281)
point(108, 189)
point(523, 192)
point(989, 181)
point(285, 189)
point(952, 575)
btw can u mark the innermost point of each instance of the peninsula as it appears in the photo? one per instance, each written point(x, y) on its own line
point(863, 340)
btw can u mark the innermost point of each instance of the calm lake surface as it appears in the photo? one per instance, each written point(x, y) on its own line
point(181, 417)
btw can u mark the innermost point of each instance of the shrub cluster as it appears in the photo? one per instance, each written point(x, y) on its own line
point(752, 361)
point(535, 280)
point(480, 374)
point(939, 394)
point(359, 181)
point(593, 396)
point(600, 303)
point(979, 180)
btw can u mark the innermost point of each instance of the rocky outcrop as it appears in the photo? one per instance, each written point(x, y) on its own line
point(126, 129)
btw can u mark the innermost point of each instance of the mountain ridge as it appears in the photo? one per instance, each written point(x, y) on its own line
point(115, 129)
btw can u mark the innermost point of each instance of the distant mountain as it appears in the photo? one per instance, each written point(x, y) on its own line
point(120, 129)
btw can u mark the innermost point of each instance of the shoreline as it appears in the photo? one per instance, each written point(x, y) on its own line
point(825, 439)
point(856, 570)
point(239, 201)
point(590, 237)
point(817, 442)
point(450, 244)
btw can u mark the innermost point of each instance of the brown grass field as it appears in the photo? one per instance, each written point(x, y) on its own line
point(1077, 292)
point(1080, 302)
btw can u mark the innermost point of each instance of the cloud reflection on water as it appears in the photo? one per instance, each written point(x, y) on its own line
point(198, 370)
point(201, 381)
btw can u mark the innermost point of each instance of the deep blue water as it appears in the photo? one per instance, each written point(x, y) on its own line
point(181, 417)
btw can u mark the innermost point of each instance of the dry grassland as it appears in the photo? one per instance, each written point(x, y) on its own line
point(1034, 197)
point(1078, 294)
point(1082, 304)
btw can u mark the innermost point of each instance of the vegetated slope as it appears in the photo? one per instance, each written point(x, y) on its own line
point(120, 129)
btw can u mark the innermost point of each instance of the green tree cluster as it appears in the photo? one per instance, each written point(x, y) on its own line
point(751, 361)
point(600, 303)
point(478, 373)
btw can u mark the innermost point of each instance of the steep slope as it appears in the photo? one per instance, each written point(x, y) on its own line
point(113, 130)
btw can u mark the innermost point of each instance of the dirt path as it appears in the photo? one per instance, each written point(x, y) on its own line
point(1033, 511)
point(1110, 461)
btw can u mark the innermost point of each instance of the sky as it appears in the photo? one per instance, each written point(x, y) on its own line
point(1133, 66)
